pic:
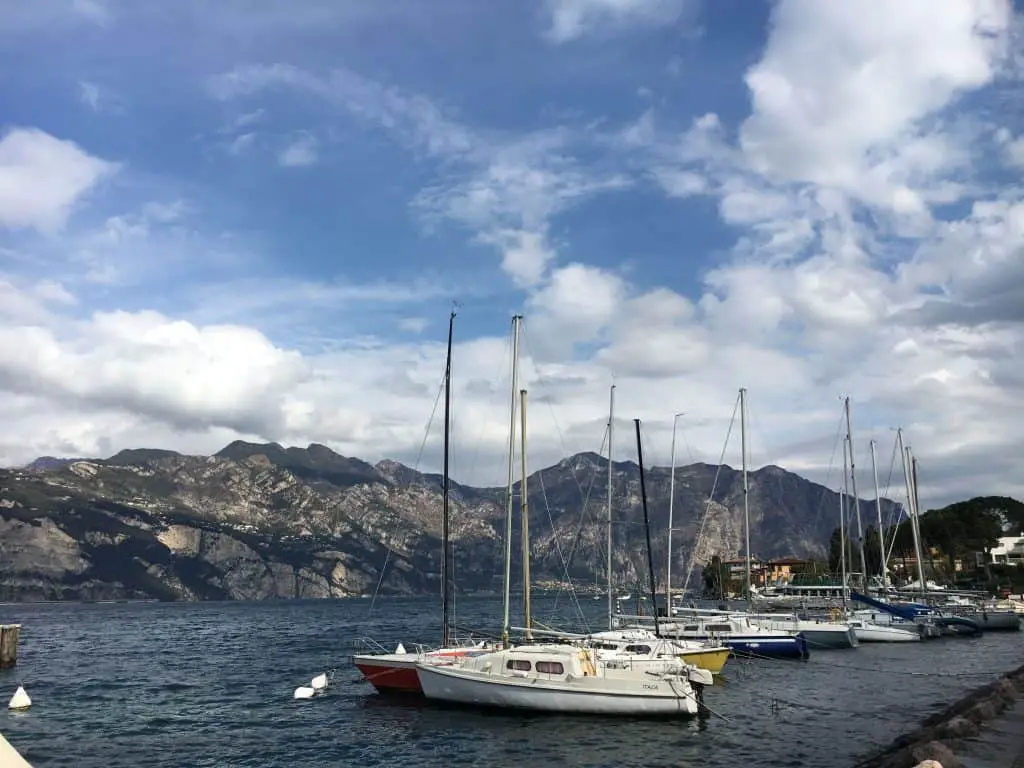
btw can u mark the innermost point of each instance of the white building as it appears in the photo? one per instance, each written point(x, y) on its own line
point(1009, 550)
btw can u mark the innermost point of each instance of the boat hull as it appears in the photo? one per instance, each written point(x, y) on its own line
point(993, 621)
point(454, 686)
point(388, 673)
point(879, 634)
point(830, 638)
point(712, 660)
point(754, 646)
point(396, 672)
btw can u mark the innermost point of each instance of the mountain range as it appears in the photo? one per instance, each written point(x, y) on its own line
point(257, 521)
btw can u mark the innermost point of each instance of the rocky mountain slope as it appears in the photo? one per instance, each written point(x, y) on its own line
point(263, 521)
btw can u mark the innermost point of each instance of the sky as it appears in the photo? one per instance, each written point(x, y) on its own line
point(251, 220)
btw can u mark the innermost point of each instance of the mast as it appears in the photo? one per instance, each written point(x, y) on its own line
point(671, 504)
point(917, 514)
point(647, 529)
point(445, 543)
point(511, 479)
point(524, 514)
point(911, 506)
point(611, 430)
point(848, 549)
point(842, 528)
point(881, 531)
point(856, 498)
point(746, 487)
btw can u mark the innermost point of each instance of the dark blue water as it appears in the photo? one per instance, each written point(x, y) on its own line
point(210, 684)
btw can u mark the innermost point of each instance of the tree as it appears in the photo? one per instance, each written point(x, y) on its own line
point(716, 577)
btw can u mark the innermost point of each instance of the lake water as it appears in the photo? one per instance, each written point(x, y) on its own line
point(210, 684)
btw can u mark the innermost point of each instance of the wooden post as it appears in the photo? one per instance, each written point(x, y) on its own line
point(9, 645)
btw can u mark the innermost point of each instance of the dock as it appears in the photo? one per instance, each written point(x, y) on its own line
point(9, 645)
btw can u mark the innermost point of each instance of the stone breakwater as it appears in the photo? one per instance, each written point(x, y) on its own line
point(941, 735)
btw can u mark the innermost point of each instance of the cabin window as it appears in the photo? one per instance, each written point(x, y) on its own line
point(604, 646)
point(719, 628)
point(691, 628)
point(550, 667)
point(645, 649)
point(521, 665)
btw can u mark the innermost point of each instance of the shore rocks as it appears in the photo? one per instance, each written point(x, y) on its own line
point(934, 743)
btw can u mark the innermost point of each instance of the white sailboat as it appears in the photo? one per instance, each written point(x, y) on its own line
point(561, 678)
point(565, 678)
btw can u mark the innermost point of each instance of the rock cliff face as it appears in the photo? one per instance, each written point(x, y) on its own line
point(262, 521)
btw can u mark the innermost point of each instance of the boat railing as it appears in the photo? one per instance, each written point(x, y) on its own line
point(368, 645)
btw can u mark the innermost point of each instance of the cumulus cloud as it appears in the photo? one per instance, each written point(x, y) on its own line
point(877, 254)
point(42, 177)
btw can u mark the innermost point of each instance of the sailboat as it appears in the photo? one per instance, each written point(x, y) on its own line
point(637, 641)
point(395, 672)
point(564, 678)
point(741, 632)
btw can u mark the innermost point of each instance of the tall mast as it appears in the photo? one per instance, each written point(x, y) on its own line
point(856, 498)
point(881, 531)
point(671, 504)
point(511, 478)
point(611, 431)
point(647, 529)
point(848, 550)
point(917, 512)
point(524, 514)
point(842, 528)
point(746, 487)
point(445, 544)
point(911, 506)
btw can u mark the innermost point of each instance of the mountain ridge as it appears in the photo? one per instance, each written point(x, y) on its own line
point(260, 520)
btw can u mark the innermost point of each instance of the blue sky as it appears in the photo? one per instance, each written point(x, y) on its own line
point(250, 220)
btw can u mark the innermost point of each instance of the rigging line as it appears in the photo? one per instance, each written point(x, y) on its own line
point(828, 473)
point(524, 339)
point(558, 549)
point(711, 496)
point(584, 512)
point(416, 466)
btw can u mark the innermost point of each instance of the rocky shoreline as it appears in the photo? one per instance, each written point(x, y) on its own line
point(942, 735)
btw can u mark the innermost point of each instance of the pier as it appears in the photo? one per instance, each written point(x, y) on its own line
point(943, 736)
point(9, 645)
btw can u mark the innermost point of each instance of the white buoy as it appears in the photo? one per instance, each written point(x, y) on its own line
point(20, 699)
point(319, 683)
point(400, 649)
point(304, 692)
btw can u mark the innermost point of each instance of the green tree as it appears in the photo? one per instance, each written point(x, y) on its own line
point(716, 577)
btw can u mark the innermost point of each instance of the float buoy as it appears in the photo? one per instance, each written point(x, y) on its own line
point(20, 699)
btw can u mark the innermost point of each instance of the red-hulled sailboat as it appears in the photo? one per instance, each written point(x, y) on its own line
point(396, 672)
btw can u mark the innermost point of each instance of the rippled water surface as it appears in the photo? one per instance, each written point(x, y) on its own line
point(210, 684)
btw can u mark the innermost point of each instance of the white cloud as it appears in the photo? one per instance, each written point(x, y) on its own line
point(89, 94)
point(572, 19)
point(850, 273)
point(1015, 152)
point(505, 189)
point(241, 142)
point(42, 177)
point(844, 104)
point(413, 324)
point(302, 151)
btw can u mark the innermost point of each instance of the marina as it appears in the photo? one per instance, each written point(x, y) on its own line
point(106, 693)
